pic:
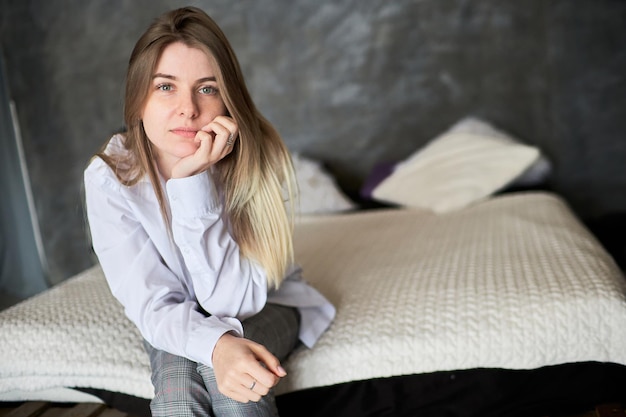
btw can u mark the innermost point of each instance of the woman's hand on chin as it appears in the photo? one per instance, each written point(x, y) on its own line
point(216, 141)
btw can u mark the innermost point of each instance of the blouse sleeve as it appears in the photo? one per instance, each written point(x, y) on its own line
point(154, 298)
point(226, 284)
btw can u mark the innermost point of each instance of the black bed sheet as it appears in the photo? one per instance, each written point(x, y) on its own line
point(548, 391)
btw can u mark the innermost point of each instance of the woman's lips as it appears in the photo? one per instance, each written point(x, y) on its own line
point(185, 132)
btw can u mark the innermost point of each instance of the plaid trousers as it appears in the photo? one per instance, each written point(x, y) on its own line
point(186, 388)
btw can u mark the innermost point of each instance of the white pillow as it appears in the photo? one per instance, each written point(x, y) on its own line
point(465, 164)
point(317, 191)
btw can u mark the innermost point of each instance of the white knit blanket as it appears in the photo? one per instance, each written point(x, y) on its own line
point(514, 282)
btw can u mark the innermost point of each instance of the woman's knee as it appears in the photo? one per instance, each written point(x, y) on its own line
point(276, 327)
point(178, 388)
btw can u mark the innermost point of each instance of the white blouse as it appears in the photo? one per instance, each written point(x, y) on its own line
point(160, 281)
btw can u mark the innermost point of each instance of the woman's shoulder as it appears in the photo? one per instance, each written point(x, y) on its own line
point(115, 146)
point(99, 170)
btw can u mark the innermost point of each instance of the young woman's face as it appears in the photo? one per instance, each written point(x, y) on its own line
point(183, 98)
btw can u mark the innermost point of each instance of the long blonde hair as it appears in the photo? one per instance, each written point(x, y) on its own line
point(254, 179)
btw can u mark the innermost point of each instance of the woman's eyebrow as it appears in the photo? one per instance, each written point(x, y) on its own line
point(206, 79)
point(172, 77)
point(161, 75)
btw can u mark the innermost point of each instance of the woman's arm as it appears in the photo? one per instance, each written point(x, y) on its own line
point(226, 284)
point(154, 298)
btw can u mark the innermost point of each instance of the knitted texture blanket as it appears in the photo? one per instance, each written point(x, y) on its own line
point(514, 282)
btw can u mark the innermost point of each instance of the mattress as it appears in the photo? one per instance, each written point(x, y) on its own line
point(515, 282)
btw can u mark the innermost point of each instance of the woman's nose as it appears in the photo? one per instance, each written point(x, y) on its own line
point(187, 106)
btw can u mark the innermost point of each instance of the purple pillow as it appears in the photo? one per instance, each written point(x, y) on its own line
point(376, 176)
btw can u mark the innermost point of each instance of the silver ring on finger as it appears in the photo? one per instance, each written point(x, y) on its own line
point(230, 140)
point(252, 385)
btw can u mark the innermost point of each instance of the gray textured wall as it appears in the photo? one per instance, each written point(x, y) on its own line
point(349, 82)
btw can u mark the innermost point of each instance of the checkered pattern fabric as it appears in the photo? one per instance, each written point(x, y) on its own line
point(185, 388)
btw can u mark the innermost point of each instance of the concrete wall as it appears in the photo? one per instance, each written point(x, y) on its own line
point(351, 82)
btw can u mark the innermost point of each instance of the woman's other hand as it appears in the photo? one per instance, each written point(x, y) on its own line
point(244, 370)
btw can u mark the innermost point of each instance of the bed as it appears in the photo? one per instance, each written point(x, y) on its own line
point(496, 304)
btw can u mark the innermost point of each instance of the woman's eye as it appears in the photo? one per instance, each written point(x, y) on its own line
point(208, 90)
point(164, 87)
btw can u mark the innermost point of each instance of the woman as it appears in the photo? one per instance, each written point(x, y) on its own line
point(187, 216)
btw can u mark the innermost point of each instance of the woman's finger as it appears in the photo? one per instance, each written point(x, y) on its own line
point(268, 361)
point(228, 122)
point(226, 134)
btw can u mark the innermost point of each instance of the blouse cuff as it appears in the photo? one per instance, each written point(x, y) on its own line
point(192, 196)
point(203, 339)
